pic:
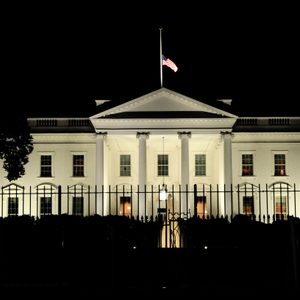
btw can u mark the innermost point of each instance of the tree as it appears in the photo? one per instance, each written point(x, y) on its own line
point(15, 145)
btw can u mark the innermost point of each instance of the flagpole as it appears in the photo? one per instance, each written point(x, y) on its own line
point(160, 52)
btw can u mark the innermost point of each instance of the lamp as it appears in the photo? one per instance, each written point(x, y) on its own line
point(163, 191)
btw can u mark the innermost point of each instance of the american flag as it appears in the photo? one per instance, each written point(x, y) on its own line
point(168, 62)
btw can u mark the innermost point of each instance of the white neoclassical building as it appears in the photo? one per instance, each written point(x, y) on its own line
point(207, 160)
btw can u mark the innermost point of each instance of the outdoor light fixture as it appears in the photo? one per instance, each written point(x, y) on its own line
point(163, 194)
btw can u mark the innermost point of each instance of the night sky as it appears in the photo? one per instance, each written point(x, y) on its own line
point(58, 60)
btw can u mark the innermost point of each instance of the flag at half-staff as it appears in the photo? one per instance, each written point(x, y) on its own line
point(164, 61)
point(169, 63)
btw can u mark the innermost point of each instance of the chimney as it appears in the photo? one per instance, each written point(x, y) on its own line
point(226, 101)
point(100, 102)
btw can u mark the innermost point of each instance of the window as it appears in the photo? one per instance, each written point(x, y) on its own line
point(46, 206)
point(78, 165)
point(279, 165)
point(46, 166)
point(247, 164)
point(281, 199)
point(200, 165)
point(125, 165)
point(78, 206)
point(13, 206)
point(201, 209)
point(125, 207)
point(162, 165)
point(280, 206)
point(248, 205)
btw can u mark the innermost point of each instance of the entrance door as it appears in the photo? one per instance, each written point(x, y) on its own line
point(125, 206)
point(201, 207)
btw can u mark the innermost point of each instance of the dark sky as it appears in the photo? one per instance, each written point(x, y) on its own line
point(60, 59)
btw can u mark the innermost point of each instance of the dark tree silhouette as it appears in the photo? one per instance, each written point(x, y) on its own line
point(15, 145)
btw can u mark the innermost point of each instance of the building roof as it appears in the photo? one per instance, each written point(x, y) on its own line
point(162, 100)
point(162, 109)
point(165, 109)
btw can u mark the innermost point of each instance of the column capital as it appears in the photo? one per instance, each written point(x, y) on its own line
point(101, 133)
point(226, 133)
point(101, 136)
point(184, 134)
point(144, 135)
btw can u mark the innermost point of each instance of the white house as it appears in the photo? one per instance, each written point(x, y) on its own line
point(208, 161)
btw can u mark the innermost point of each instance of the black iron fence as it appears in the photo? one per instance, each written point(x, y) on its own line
point(213, 222)
point(262, 203)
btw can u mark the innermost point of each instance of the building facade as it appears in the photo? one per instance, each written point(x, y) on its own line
point(161, 150)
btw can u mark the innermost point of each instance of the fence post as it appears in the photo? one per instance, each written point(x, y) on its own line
point(295, 196)
point(195, 200)
point(59, 200)
point(259, 202)
point(231, 201)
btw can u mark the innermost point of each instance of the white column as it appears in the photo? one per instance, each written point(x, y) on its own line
point(227, 170)
point(142, 136)
point(100, 170)
point(185, 171)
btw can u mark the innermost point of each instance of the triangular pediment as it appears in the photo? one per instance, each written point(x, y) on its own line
point(161, 101)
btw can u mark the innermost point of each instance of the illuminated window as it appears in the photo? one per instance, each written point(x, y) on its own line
point(162, 165)
point(13, 206)
point(247, 165)
point(200, 165)
point(78, 206)
point(125, 165)
point(279, 165)
point(78, 165)
point(201, 206)
point(46, 206)
point(125, 206)
point(248, 205)
point(280, 206)
point(46, 166)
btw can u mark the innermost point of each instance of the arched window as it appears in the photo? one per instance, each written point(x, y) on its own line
point(45, 195)
point(76, 194)
point(246, 194)
point(12, 195)
point(280, 195)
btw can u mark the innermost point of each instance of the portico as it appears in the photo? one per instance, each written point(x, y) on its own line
point(190, 129)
